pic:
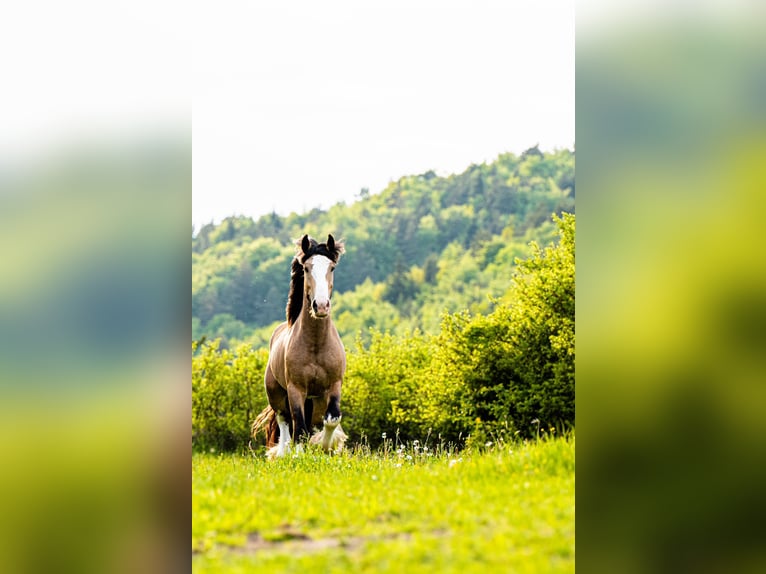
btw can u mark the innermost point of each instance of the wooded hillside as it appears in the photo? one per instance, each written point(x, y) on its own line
point(424, 246)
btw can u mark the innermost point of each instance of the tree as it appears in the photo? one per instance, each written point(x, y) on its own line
point(400, 286)
point(240, 292)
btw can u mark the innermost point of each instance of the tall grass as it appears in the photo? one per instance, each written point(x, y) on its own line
point(405, 507)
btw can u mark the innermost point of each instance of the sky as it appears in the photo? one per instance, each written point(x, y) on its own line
point(302, 104)
point(292, 105)
point(91, 72)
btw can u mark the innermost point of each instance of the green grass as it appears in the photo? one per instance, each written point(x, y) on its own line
point(509, 507)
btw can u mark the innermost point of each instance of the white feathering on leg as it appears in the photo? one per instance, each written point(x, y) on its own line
point(331, 437)
point(283, 447)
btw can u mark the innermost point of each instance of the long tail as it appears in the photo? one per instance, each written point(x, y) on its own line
point(267, 421)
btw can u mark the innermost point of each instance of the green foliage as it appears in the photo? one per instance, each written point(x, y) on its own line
point(542, 314)
point(237, 278)
point(363, 309)
point(489, 376)
point(483, 377)
point(226, 328)
point(464, 326)
point(516, 364)
point(227, 394)
point(400, 238)
point(382, 386)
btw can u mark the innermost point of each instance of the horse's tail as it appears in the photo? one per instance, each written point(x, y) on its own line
point(267, 421)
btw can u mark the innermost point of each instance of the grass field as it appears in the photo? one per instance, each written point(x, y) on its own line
point(405, 509)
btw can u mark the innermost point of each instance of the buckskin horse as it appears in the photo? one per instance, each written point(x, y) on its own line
point(307, 360)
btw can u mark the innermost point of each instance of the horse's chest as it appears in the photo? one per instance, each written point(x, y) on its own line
point(315, 372)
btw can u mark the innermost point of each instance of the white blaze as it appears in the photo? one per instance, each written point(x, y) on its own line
point(319, 271)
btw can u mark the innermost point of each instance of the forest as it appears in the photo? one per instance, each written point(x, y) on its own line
point(454, 300)
point(424, 246)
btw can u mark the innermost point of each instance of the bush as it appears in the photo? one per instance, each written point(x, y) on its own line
point(381, 386)
point(516, 365)
point(227, 394)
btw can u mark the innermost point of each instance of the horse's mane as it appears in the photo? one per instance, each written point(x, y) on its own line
point(307, 247)
point(295, 298)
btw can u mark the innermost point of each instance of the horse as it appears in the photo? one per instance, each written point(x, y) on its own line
point(307, 359)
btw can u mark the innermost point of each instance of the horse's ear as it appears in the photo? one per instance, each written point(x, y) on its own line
point(330, 242)
point(305, 244)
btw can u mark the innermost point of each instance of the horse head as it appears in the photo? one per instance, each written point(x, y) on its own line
point(318, 261)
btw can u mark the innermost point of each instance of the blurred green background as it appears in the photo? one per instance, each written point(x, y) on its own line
point(94, 366)
point(671, 289)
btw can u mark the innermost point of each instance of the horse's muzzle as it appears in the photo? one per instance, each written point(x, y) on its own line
point(321, 308)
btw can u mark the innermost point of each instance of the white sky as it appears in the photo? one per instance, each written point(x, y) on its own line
point(301, 104)
point(295, 104)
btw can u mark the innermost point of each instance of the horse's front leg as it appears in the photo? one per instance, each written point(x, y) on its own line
point(283, 446)
point(331, 437)
point(296, 396)
point(333, 404)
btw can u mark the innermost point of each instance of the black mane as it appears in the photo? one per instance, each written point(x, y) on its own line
point(295, 298)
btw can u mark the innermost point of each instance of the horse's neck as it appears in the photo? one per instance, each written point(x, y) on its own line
point(317, 330)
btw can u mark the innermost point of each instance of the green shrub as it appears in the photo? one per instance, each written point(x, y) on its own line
point(542, 317)
point(227, 394)
point(516, 365)
point(381, 386)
